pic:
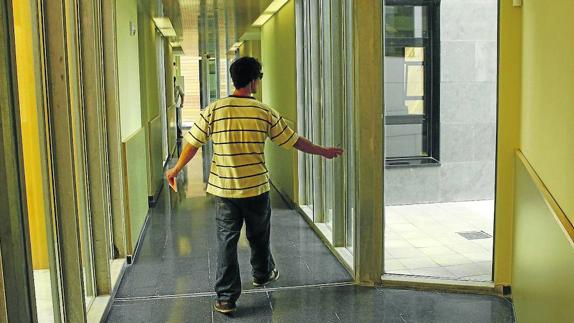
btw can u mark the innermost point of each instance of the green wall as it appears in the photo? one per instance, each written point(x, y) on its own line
point(278, 56)
point(128, 65)
point(543, 258)
point(150, 93)
point(134, 158)
point(547, 96)
point(135, 185)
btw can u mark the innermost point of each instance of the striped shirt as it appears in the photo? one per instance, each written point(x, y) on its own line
point(238, 128)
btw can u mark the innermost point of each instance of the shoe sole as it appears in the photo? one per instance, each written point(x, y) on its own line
point(223, 311)
point(268, 282)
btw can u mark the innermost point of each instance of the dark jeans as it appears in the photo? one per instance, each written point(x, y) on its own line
point(230, 214)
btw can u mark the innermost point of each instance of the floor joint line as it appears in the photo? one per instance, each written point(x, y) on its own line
point(210, 294)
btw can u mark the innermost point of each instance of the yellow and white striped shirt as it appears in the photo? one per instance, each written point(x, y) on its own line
point(238, 128)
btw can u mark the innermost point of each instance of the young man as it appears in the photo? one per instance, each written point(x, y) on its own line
point(238, 127)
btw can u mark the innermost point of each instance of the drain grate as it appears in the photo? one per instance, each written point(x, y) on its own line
point(474, 235)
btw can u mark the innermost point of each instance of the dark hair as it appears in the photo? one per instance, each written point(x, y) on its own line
point(244, 70)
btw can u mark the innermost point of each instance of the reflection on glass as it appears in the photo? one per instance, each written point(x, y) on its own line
point(415, 106)
point(404, 140)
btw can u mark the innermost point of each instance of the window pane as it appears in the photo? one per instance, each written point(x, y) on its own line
point(405, 21)
point(407, 67)
point(405, 140)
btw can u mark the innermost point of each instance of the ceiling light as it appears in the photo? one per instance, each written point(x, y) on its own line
point(165, 26)
point(272, 9)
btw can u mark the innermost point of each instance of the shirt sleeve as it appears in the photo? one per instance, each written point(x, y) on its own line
point(280, 132)
point(200, 132)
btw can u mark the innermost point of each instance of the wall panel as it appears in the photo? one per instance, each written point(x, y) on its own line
point(135, 170)
point(543, 258)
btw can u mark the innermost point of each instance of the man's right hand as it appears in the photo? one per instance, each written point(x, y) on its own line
point(171, 175)
point(331, 152)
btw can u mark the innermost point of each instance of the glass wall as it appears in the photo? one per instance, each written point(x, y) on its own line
point(326, 187)
point(40, 222)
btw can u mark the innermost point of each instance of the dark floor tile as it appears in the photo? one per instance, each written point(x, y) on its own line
point(160, 311)
point(363, 304)
point(253, 309)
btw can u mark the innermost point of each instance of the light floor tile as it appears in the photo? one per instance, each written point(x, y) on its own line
point(432, 229)
point(467, 270)
point(397, 243)
point(437, 251)
point(418, 262)
point(479, 256)
point(401, 253)
point(403, 227)
point(450, 260)
point(43, 294)
point(424, 243)
point(393, 265)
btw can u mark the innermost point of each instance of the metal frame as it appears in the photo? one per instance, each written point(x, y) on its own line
point(3, 312)
point(14, 239)
point(96, 141)
point(63, 116)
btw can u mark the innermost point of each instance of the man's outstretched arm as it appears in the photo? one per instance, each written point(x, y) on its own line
point(303, 144)
point(186, 155)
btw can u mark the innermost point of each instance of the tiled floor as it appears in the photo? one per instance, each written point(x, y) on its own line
point(43, 293)
point(172, 278)
point(422, 240)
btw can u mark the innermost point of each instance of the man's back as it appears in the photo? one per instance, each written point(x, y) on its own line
point(238, 128)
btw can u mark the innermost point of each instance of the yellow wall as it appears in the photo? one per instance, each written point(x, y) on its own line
point(253, 48)
point(542, 256)
point(30, 135)
point(547, 136)
point(278, 56)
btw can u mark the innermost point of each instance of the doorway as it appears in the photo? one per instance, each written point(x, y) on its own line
point(440, 79)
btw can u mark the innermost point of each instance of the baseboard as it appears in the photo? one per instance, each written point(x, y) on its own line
point(131, 258)
point(152, 200)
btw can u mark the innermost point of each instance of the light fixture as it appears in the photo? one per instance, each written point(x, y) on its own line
point(272, 9)
point(164, 26)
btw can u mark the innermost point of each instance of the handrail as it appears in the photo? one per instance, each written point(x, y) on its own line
point(559, 214)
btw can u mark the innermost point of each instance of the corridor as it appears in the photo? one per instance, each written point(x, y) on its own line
point(172, 277)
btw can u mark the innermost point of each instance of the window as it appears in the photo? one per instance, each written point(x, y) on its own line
point(412, 82)
point(325, 115)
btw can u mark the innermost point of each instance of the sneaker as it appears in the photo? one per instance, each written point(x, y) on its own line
point(262, 282)
point(224, 307)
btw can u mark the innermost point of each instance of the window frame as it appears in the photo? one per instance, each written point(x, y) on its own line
point(431, 119)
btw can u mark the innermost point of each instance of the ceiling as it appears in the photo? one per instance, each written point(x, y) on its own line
point(231, 19)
